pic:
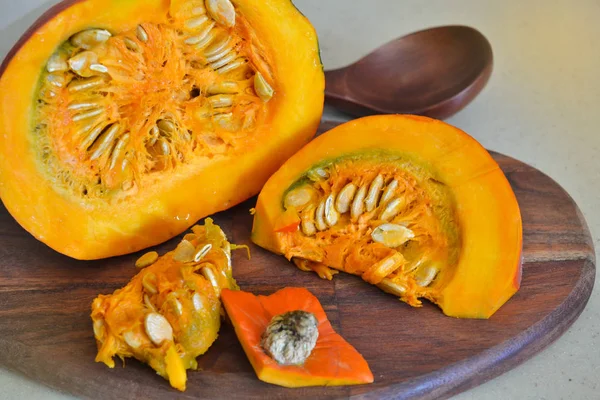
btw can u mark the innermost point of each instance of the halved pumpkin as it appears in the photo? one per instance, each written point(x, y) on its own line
point(125, 121)
point(410, 204)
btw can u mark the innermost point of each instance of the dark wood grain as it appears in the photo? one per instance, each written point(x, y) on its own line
point(435, 72)
point(46, 334)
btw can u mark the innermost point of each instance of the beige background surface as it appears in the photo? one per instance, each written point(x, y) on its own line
point(540, 106)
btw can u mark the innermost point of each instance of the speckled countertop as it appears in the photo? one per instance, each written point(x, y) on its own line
point(541, 106)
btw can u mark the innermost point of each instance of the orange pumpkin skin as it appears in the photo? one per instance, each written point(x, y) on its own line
point(333, 361)
point(487, 271)
point(167, 203)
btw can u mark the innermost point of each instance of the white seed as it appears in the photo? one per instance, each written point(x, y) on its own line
point(198, 302)
point(262, 88)
point(141, 33)
point(225, 121)
point(56, 80)
point(201, 35)
point(232, 66)
point(199, 10)
point(84, 105)
point(221, 11)
point(221, 100)
point(85, 84)
point(307, 221)
point(99, 329)
point(299, 197)
point(425, 275)
point(164, 146)
point(224, 61)
point(99, 68)
point(389, 192)
point(207, 39)
point(217, 49)
point(317, 174)
point(392, 235)
point(158, 328)
point(223, 88)
point(374, 192)
point(331, 215)
point(210, 276)
point(81, 62)
point(132, 339)
point(148, 303)
point(131, 44)
point(87, 114)
point(57, 63)
point(320, 215)
point(104, 141)
point(195, 22)
point(389, 286)
point(344, 198)
point(118, 150)
point(358, 204)
point(392, 209)
point(167, 126)
point(202, 251)
point(147, 259)
point(90, 38)
point(184, 252)
point(87, 142)
point(149, 282)
point(175, 304)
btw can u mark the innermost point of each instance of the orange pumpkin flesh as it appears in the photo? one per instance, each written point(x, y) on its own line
point(333, 361)
point(178, 293)
point(436, 217)
point(125, 121)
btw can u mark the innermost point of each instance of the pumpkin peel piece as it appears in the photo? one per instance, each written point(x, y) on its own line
point(332, 362)
point(169, 313)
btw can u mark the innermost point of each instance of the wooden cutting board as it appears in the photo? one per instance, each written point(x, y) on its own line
point(46, 333)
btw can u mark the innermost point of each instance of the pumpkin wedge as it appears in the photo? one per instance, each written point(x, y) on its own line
point(411, 204)
point(125, 121)
point(332, 362)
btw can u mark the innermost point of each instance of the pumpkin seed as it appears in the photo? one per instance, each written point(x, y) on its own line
point(104, 141)
point(207, 39)
point(392, 235)
point(84, 105)
point(56, 80)
point(81, 62)
point(389, 286)
point(221, 11)
point(147, 259)
point(376, 273)
point(184, 252)
point(344, 198)
point(148, 303)
point(131, 45)
point(223, 88)
point(232, 66)
point(91, 137)
point(331, 215)
point(392, 209)
point(88, 114)
point(202, 252)
point(119, 150)
point(201, 35)
point(262, 88)
point(210, 276)
point(425, 275)
point(223, 61)
point(149, 282)
point(167, 127)
point(389, 191)
point(358, 204)
point(164, 146)
point(374, 192)
point(99, 329)
point(141, 33)
point(307, 225)
point(99, 68)
point(198, 10)
point(90, 38)
point(158, 328)
point(317, 174)
point(175, 304)
point(57, 63)
point(319, 216)
point(85, 84)
point(221, 100)
point(299, 197)
point(195, 22)
point(132, 339)
point(218, 48)
point(198, 302)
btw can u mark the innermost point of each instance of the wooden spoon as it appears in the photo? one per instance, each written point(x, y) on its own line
point(435, 72)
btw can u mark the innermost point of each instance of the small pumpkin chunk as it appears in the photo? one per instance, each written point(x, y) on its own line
point(290, 342)
point(169, 313)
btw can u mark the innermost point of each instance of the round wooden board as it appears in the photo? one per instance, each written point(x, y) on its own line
point(46, 333)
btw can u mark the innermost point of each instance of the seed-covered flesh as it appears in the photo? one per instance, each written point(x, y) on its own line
point(290, 337)
point(383, 217)
point(170, 308)
point(185, 91)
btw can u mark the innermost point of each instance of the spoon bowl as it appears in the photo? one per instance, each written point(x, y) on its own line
point(434, 72)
